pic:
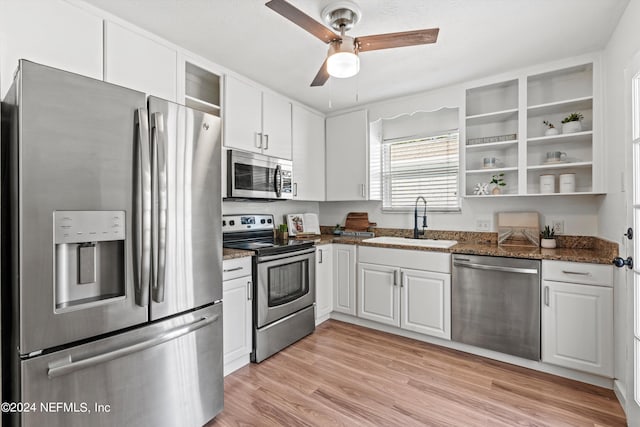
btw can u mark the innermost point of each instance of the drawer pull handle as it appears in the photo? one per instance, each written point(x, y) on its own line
point(231, 269)
point(577, 273)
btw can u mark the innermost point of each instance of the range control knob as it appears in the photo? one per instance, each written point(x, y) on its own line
point(269, 221)
point(224, 223)
point(262, 221)
point(232, 223)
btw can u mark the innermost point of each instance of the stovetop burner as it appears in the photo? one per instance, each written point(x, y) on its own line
point(255, 233)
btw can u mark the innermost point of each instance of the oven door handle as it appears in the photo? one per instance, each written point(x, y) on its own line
point(286, 255)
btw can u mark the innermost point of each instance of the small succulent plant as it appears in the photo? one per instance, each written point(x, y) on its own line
point(547, 233)
point(573, 117)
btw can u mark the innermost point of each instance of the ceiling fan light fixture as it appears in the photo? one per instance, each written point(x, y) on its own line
point(343, 60)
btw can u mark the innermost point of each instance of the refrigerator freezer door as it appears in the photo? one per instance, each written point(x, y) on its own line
point(187, 242)
point(76, 153)
point(164, 374)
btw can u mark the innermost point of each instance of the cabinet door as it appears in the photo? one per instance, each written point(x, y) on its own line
point(344, 279)
point(347, 156)
point(236, 320)
point(242, 112)
point(426, 302)
point(276, 126)
point(324, 283)
point(137, 62)
point(50, 32)
point(378, 293)
point(577, 327)
point(308, 155)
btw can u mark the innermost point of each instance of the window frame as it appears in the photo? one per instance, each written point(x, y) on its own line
point(384, 174)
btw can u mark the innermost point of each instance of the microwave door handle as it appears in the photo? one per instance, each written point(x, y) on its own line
point(277, 182)
point(158, 144)
point(142, 233)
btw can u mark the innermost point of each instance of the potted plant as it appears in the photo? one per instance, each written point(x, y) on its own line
point(498, 182)
point(571, 123)
point(547, 238)
point(551, 129)
point(282, 233)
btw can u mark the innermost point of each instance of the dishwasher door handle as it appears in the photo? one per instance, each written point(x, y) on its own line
point(496, 268)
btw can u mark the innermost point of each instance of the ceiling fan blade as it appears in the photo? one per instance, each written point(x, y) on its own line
point(406, 38)
point(302, 20)
point(322, 76)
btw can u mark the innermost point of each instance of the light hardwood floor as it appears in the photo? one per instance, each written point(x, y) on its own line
point(348, 375)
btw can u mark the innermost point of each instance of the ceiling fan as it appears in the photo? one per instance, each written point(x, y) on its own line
point(342, 59)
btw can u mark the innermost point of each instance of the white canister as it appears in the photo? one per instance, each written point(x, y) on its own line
point(567, 183)
point(547, 184)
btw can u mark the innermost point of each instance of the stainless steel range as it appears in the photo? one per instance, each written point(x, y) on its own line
point(283, 282)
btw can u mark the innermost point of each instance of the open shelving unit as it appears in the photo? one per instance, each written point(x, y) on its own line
point(202, 89)
point(504, 120)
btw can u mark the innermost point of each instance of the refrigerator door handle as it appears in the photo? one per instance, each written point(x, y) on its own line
point(160, 205)
point(143, 209)
point(68, 366)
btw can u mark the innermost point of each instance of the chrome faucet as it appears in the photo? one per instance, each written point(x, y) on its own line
point(417, 233)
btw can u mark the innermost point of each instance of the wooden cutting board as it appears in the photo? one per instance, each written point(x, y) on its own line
point(358, 221)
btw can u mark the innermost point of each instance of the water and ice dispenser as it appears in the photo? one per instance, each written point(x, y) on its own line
point(89, 257)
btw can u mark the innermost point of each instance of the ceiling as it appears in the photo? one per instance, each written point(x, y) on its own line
point(477, 39)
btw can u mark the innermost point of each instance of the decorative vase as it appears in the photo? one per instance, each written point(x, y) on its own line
point(496, 190)
point(551, 131)
point(548, 243)
point(571, 127)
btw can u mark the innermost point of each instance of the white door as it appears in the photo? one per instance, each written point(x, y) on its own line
point(236, 320)
point(324, 283)
point(276, 126)
point(577, 327)
point(633, 279)
point(378, 293)
point(308, 155)
point(242, 115)
point(426, 302)
point(344, 279)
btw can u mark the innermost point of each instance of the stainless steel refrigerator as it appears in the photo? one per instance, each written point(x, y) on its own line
point(111, 256)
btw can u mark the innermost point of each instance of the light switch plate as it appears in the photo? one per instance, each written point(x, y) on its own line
point(558, 226)
point(483, 225)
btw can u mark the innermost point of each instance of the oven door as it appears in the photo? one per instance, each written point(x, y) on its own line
point(257, 176)
point(285, 284)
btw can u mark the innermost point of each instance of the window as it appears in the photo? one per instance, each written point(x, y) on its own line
point(421, 166)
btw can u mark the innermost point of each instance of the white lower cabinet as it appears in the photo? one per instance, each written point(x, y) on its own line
point(324, 282)
point(577, 318)
point(344, 279)
point(412, 299)
point(236, 313)
point(425, 301)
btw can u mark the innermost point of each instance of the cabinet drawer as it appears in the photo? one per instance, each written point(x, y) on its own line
point(577, 272)
point(237, 267)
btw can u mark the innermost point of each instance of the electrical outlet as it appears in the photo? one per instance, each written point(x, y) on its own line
point(558, 226)
point(483, 225)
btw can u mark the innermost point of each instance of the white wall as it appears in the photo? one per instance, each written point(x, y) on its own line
point(580, 213)
point(612, 216)
point(580, 216)
point(278, 208)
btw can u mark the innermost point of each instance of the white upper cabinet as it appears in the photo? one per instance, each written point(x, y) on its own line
point(347, 156)
point(308, 155)
point(135, 61)
point(49, 32)
point(256, 121)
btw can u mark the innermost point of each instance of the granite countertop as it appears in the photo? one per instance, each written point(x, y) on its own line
point(235, 253)
point(601, 253)
point(575, 248)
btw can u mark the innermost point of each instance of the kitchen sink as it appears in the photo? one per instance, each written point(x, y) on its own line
point(405, 241)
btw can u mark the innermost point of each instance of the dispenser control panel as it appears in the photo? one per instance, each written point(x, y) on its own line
point(88, 226)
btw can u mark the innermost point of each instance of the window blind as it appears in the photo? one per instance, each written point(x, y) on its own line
point(421, 166)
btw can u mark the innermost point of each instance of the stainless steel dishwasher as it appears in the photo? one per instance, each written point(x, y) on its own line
point(495, 304)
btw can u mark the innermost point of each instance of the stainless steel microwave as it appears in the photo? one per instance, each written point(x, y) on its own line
point(255, 176)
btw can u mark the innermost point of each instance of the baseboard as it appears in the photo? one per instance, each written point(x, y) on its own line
point(620, 389)
point(514, 360)
point(235, 364)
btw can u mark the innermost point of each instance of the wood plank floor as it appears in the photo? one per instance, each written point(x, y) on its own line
point(348, 375)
